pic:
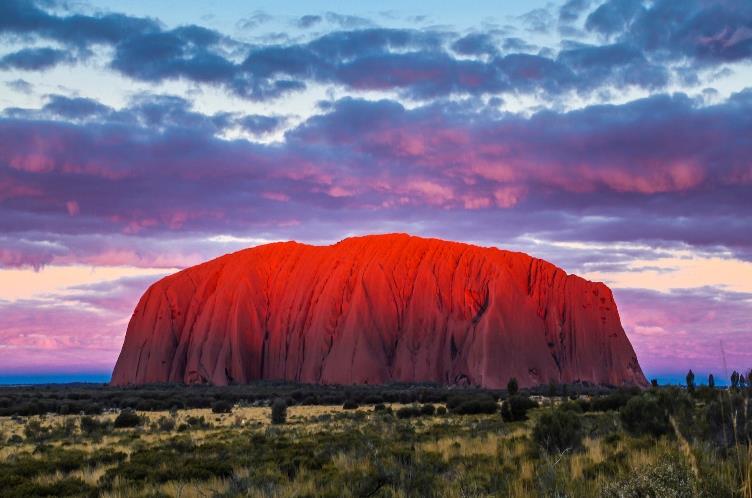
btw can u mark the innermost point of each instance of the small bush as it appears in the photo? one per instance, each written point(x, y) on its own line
point(558, 430)
point(513, 387)
point(15, 439)
point(68, 486)
point(279, 411)
point(644, 415)
point(91, 426)
point(166, 424)
point(408, 412)
point(441, 410)
point(515, 408)
point(380, 407)
point(197, 422)
point(350, 404)
point(127, 418)
point(671, 478)
point(35, 431)
point(609, 402)
point(428, 410)
point(472, 405)
point(221, 406)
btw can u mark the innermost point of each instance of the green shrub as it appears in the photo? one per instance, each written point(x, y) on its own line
point(515, 408)
point(441, 410)
point(127, 418)
point(166, 424)
point(644, 415)
point(279, 411)
point(410, 411)
point(472, 405)
point(428, 410)
point(68, 486)
point(350, 404)
point(558, 430)
point(35, 431)
point(221, 406)
point(613, 401)
point(670, 478)
point(91, 426)
point(727, 420)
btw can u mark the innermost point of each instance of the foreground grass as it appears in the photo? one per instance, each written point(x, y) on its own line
point(328, 451)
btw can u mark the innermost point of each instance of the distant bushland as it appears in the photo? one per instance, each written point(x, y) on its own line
point(76, 399)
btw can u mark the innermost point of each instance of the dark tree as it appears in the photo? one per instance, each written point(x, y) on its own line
point(558, 430)
point(279, 411)
point(711, 381)
point(654, 382)
point(735, 380)
point(513, 387)
point(515, 408)
point(690, 381)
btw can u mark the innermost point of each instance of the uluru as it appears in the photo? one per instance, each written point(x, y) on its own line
point(377, 309)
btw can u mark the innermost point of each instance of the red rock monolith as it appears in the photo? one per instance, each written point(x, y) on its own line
point(377, 309)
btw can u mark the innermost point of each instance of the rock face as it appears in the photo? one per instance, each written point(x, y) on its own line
point(376, 309)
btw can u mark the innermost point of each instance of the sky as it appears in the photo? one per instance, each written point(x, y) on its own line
point(611, 138)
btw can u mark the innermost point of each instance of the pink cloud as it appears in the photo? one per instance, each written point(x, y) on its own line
point(338, 191)
point(710, 324)
point(275, 196)
point(72, 208)
point(10, 189)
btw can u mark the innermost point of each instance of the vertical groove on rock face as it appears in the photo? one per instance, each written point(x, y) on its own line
point(376, 309)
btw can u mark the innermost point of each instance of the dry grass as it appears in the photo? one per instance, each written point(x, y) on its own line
point(508, 450)
point(463, 446)
point(747, 485)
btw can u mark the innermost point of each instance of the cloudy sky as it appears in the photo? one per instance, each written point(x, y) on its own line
point(613, 139)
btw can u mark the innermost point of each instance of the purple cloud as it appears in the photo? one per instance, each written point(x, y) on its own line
point(711, 331)
point(157, 168)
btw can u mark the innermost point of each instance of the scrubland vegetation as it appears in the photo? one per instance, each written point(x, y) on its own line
point(280, 440)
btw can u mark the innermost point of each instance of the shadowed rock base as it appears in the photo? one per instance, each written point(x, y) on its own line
point(377, 309)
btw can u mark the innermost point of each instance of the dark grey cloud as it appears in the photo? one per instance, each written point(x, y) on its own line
point(255, 20)
point(185, 52)
point(538, 20)
point(703, 31)
point(614, 16)
point(419, 64)
point(618, 65)
point(571, 10)
point(309, 21)
point(20, 85)
point(260, 124)
point(75, 108)
point(348, 21)
point(26, 18)
point(475, 44)
point(34, 59)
